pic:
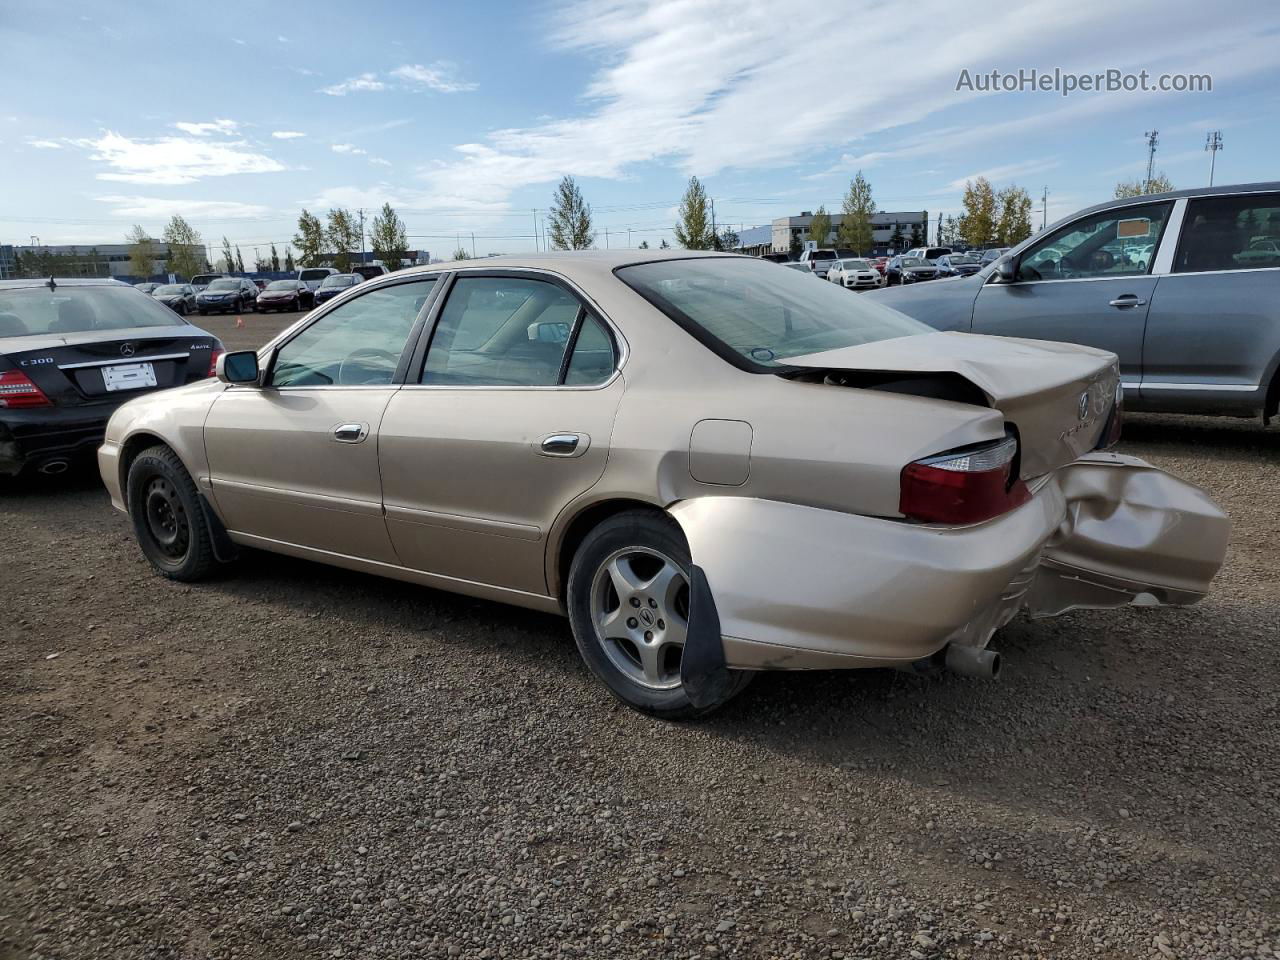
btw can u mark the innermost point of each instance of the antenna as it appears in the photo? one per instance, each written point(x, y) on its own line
point(1213, 143)
point(1153, 140)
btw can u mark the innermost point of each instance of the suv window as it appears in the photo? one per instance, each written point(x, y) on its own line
point(1230, 233)
point(1106, 244)
point(356, 344)
point(513, 332)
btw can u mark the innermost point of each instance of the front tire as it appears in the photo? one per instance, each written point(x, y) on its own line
point(168, 516)
point(628, 600)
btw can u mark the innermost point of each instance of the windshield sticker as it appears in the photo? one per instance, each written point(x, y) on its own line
point(1133, 228)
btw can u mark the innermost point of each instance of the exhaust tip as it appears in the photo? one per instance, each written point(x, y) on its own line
point(54, 467)
point(973, 661)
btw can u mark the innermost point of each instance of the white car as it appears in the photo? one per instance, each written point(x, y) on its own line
point(855, 275)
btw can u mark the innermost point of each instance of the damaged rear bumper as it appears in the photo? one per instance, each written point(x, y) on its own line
point(798, 588)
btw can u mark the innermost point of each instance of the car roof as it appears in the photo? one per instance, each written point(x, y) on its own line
point(575, 264)
point(28, 282)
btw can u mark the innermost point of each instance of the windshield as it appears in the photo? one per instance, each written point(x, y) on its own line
point(338, 281)
point(170, 290)
point(224, 284)
point(856, 265)
point(204, 277)
point(313, 274)
point(913, 262)
point(69, 309)
point(282, 285)
point(760, 315)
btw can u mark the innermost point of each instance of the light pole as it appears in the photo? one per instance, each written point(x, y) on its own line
point(1153, 140)
point(1213, 143)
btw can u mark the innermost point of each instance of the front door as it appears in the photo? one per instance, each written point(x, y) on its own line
point(510, 421)
point(296, 461)
point(1088, 282)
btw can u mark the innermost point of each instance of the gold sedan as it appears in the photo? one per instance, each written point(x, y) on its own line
point(711, 464)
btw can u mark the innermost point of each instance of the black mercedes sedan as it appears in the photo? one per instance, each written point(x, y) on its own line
point(71, 351)
point(178, 297)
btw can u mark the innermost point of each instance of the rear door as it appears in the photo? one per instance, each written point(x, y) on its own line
point(296, 461)
point(1075, 285)
point(1213, 335)
point(509, 420)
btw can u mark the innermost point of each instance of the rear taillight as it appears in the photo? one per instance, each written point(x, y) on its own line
point(1115, 422)
point(963, 486)
point(17, 390)
point(214, 354)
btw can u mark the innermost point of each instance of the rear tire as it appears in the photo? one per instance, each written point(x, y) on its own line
point(639, 664)
point(168, 516)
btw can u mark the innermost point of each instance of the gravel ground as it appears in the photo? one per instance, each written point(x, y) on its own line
point(295, 761)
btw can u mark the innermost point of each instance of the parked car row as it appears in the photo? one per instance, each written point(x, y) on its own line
point(221, 293)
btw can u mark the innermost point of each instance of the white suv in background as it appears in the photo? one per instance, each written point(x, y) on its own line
point(314, 276)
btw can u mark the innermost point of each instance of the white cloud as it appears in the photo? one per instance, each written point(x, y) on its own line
point(174, 160)
point(43, 144)
point(1001, 173)
point(237, 40)
point(347, 148)
point(438, 76)
point(282, 38)
point(287, 134)
point(204, 129)
point(162, 208)
point(363, 83)
point(380, 162)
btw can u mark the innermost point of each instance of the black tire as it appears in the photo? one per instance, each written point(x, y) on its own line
point(168, 516)
point(647, 530)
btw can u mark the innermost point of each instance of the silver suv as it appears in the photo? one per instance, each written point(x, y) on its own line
point(1184, 287)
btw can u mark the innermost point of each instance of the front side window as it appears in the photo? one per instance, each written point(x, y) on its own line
point(757, 317)
point(357, 344)
point(1230, 233)
point(1106, 244)
point(509, 332)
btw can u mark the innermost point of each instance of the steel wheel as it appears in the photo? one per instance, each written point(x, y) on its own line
point(167, 520)
point(640, 611)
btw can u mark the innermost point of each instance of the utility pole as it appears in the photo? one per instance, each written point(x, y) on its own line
point(536, 245)
point(606, 238)
point(1213, 143)
point(362, 235)
point(714, 231)
point(1044, 208)
point(628, 238)
point(473, 244)
point(1153, 140)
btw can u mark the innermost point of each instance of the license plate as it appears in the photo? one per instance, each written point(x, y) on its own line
point(129, 376)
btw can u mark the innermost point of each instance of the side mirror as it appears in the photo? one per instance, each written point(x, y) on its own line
point(1006, 270)
point(238, 367)
point(548, 331)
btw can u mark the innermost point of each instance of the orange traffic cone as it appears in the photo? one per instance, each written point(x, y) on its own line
point(239, 323)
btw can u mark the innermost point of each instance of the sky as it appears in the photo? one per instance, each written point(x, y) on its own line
point(464, 116)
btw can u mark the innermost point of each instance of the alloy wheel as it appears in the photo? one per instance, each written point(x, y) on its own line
point(640, 611)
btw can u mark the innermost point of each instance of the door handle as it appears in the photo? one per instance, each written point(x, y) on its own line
point(350, 432)
point(564, 445)
point(1128, 300)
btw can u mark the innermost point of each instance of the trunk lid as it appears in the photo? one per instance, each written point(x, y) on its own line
point(1057, 395)
point(72, 369)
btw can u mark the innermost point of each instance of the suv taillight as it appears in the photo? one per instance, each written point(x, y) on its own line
point(214, 354)
point(964, 486)
point(17, 390)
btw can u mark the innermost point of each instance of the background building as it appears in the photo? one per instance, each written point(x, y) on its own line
point(892, 232)
point(92, 260)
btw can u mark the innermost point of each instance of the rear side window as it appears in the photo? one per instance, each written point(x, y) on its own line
point(515, 332)
point(307, 275)
point(74, 309)
point(1230, 233)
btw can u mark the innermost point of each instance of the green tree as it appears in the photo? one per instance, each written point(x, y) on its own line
point(239, 260)
point(570, 218)
point(916, 241)
point(897, 241)
point(857, 208)
point(310, 239)
point(186, 248)
point(228, 257)
point(388, 238)
point(275, 259)
point(728, 239)
point(978, 221)
point(1138, 188)
point(693, 230)
point(820, 227)
point(461, 253)
point(142, 252)
point(344, 236)
point(1013, 224)
point(288, 260)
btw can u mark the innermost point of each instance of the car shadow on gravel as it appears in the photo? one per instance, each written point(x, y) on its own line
point(1215, 435)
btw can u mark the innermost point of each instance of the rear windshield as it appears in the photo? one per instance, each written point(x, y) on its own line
point(313, 274)
point(68, 309)
point(283, 285)
point(822, 255)
point(761, 316)
point(169, 290)
point(224, 284)
point(338, 281)
point(205, 277)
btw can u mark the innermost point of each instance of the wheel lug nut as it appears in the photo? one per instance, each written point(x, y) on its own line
point(635, 601)
point(653, 603)
point(648, 635)
point(631, 622)
point(662, 624)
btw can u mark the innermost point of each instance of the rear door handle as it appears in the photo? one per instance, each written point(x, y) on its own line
point(1128, 300)
point(350, 432)
point(564, 445)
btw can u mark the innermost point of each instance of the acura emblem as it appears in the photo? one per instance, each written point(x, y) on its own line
point(127, 349)
point(1083, 412)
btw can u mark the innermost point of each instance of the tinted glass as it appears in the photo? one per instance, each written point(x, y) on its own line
point(593, 358)
point(1230, 233)
point(338, 280)
point(822, 255)
point(500, 331)
point(169, 290)
point(217, 285)
point(357, 344)
point(283, 285)
point(1107, 244)
point(70, 309)
point(314, 274)
point(913, 262)
point(761, 314)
